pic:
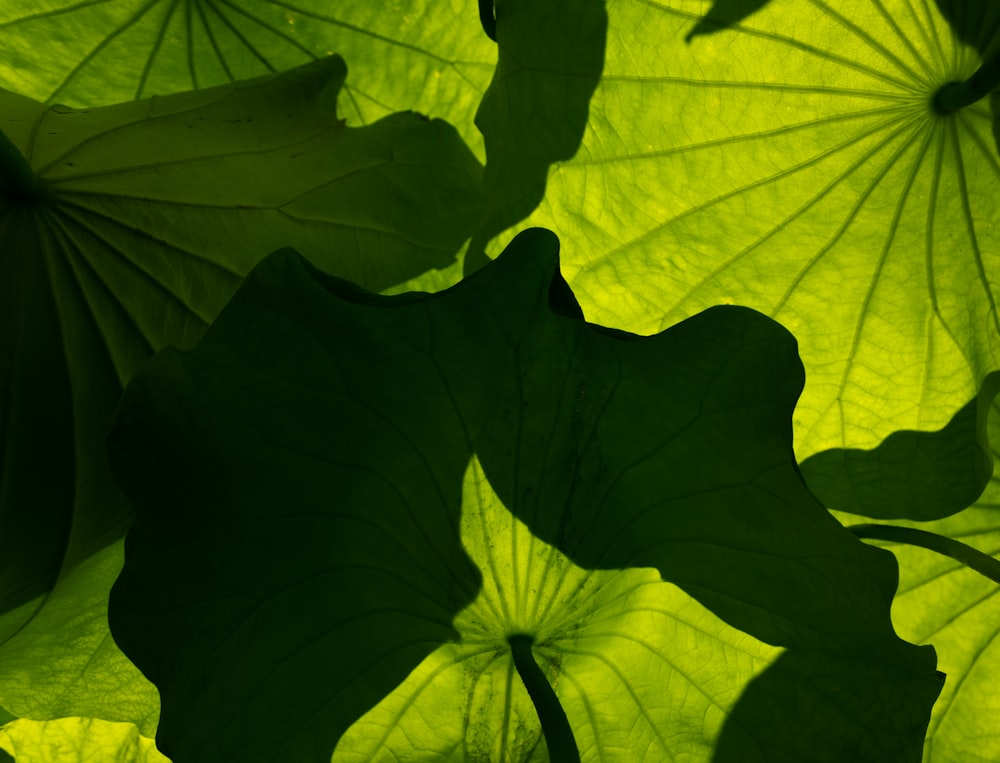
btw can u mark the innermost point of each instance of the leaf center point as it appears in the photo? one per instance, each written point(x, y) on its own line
point(954, 96)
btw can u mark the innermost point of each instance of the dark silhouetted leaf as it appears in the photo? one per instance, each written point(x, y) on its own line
point(794, 163)
point(134, 225)
point(309, 495)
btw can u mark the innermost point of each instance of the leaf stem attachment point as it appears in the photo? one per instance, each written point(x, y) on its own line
point(957, 95)
point(555, 725)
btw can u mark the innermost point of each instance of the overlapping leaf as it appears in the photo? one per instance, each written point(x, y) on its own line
point(911, 474)
point(306, 461)
point(944, 603)
point(644, 642)
point(427, 56)
point(143, 219)
point(793, 162)
point(63, 662)
point(724, 14)
point(535, 110)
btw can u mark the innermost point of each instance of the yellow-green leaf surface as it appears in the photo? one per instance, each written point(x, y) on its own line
point(309, 461)
point(944, 603)
point(127, 229)
point(63, 662)
point(668, 670)
point(793, 162)
point(428, 56)
point(77, 740)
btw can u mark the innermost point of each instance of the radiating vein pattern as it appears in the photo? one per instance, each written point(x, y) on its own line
point(118, 50)
point(623, 630)
point(153, 234)
point(149, 216)
point(793, 163)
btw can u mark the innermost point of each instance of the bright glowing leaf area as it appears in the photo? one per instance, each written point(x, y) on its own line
point(605, 381)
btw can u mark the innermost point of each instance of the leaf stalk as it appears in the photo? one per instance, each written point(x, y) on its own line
point(957, 95)
point(555, 725)
point(971, 557)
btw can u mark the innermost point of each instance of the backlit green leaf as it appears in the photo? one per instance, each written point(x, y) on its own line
point(133, 228)
point(643, 642)
point(63, 662)
point(793, 162)
point(77, 740)
point(308, 462)
point(944, 603)
point(427, 56)
point(724, 14)
point(911, 474)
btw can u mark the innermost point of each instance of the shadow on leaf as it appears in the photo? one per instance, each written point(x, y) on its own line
point(911, 475)
point(724, 14)
point(860, 725)
point(551, 56)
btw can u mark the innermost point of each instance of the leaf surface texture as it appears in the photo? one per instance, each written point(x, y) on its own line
point(146, 217)
point(310, 460)
point(791, 161)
